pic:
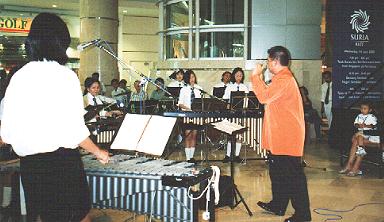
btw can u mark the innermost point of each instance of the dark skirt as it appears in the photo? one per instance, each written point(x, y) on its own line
point(55, 186)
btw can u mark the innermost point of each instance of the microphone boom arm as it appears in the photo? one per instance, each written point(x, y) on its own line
point(124, 64)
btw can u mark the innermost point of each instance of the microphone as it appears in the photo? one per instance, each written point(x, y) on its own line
point(85, 45)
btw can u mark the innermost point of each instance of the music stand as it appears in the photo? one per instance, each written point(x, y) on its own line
point(175, 91)
point(235, 190)
point(151, 106)
point(219, 91)
point(212, 104)
point(237, 100)
point(197, 105)
point(253, 102)
point(92, 111)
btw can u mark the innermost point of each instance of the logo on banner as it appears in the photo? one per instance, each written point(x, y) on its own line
point(360, 22)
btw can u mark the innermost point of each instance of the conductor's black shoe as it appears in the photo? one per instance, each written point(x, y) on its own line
point(297, 219)
point(269, 208)
point(192, 160)
point(226, 159)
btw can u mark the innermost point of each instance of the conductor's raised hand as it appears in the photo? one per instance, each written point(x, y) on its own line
point(258, 71)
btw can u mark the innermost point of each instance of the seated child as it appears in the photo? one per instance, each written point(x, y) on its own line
point(365, 123)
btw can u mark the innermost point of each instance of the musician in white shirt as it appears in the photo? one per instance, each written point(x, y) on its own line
point(50, 129)
point(177, 79)
point(237, 84)
point(237, 80)
point(187, 94)
point(92, 97)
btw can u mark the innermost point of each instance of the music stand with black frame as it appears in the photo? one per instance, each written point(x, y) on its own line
point(235, 190)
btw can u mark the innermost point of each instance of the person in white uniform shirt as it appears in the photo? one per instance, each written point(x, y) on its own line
point(187, 94)
point(92, 97)
point(47, 136)
point(237, 79)
point(366, 124)
point(177, 79)
point(326, 96)
point(225, 81)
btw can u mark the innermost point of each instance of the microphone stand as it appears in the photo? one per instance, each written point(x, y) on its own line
point(124, 64)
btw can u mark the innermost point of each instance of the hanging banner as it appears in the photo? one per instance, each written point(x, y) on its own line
point(357, 32)
point(9, 24)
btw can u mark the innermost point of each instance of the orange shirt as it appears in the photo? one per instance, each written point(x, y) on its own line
point(283, 124)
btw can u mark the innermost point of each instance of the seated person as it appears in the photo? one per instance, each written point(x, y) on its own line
point(138, 94)
point(118, 93)
point(310, 114)
point(92, 97)
point(364, 122)
point(159, 94)
point(225, 81)
point(177, 78)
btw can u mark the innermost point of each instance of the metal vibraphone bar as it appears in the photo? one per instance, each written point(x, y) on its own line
point(134, 184)
point(251, 137)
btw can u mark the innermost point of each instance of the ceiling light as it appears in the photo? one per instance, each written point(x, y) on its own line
point(54, 6)
point(125, 11)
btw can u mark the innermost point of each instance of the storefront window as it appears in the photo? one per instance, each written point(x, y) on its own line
point(219, 12)
point(221, 44)
point(177, 15)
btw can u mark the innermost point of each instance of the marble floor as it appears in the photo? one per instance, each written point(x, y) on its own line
point(327, 189)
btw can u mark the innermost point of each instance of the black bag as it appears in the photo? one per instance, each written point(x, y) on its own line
point(225, 190)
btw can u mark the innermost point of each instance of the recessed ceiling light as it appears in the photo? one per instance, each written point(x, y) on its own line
point(54, 6)
point(125, 11)
point(21, 14)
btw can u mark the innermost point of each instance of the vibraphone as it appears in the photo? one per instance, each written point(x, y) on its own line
point(135, 184)
point(253, 120)
point(140, 185)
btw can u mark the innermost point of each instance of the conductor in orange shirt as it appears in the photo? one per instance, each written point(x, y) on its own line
point(283, 136)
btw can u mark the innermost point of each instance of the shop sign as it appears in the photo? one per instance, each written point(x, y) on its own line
point(9, 24)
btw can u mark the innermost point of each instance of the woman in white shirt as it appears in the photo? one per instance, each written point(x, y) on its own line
point(92, 97)
point(177, 79)
point(187, 94)
point(47, 137)
point(237, 80)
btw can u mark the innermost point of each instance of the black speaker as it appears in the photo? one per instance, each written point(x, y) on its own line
point(225, 190)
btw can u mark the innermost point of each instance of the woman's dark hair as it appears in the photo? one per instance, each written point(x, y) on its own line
point(48, 39)
point(281, 54)
point(173, 75)
point(88, 83)
point(187, 76)
point(235, 70)
point(222, 75)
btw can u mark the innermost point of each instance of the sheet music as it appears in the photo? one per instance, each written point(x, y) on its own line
point(227, 126)
point(130, 132)
point(156, 135)
point(144, 133)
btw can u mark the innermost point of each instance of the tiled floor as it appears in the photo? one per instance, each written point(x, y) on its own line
point(327, 189)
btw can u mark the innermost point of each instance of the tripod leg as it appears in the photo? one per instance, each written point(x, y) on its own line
point(242, 200)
